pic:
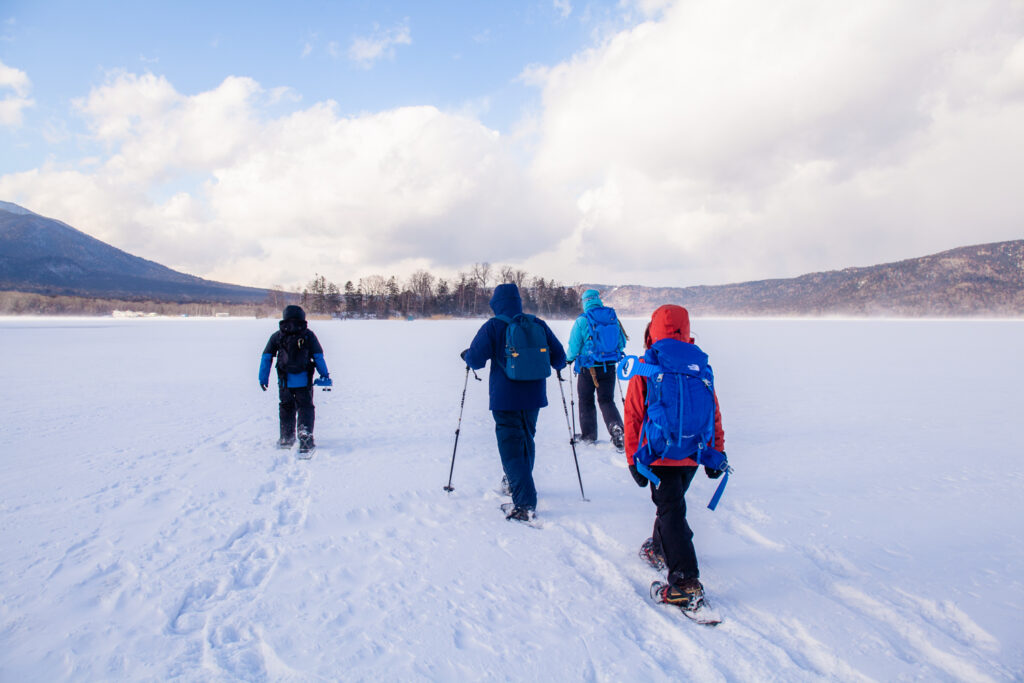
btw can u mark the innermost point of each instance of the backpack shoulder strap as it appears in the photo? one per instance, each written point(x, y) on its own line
point(504, 318)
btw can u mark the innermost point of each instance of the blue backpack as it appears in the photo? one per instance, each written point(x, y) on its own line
point(679, 419)
point(602, 343)
point(526, 348)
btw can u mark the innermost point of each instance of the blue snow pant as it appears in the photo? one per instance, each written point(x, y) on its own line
point(605, 389)
point(672, 534)
point(515, 430)
point(296, 402)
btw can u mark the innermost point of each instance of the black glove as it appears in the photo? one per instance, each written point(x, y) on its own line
point(463, 355)
point(640, 479)
point(263, 387)
point(712, 474)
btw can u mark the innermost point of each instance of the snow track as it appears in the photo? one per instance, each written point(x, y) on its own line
point(151, 531)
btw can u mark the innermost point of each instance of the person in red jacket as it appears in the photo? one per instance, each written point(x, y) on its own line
point(671, 545)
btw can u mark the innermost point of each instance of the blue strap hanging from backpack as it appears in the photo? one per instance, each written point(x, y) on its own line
point(679, 419)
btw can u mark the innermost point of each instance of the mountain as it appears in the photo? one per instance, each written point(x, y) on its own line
point(46, 256)
point(981, 280)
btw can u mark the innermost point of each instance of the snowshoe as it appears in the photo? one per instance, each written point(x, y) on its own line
point(306, 447)
point(518, 514)
point(696, 609)
point(618, 439)
point(687, 596)
point(649, 554)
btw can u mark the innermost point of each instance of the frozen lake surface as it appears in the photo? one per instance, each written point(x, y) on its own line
point(873, 530)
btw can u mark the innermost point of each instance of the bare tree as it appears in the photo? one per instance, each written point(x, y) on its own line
point(481, 274)
point(421, 284)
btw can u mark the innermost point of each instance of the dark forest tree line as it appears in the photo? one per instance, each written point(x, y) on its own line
point(424, 295)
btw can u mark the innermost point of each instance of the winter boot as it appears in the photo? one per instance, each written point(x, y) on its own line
point(306, 444)
point(650, 555)
point(688, 595)
point(618, 438)
point(285, 442)
point(506, 488)
point(520, 515)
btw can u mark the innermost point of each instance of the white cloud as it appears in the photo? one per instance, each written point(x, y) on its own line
point(563, 7)
point(210, 184)
point(749, 139)
point(13, 103)
point(366, 50)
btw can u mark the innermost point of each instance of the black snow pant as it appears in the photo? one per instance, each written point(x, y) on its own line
point(605, 390)
point(296, 401)
point(672, 534)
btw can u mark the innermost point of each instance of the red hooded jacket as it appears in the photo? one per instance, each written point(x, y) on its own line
point(672, 322)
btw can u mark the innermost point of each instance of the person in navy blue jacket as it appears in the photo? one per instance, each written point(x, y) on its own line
point(514, 404)
point(298, 353)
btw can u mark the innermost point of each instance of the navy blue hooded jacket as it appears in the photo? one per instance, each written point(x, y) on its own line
point(489, 344)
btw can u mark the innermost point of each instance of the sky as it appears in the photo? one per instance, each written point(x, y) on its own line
point(652, 142)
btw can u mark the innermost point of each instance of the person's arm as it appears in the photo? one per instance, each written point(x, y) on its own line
point(576, 338)
point(556, 352)
point(636, 396)
point(482, 348)
point(718, 442)
point(318, 355)
point(269, 351)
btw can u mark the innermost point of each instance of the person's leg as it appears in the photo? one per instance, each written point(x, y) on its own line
point(588, 412)
point(286, 413)
point(672, 532)
point(306, 413)
point(530, 427)
point(514, 433)
point(606, 399)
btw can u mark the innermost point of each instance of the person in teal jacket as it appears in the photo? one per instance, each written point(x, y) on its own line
point(595, 347)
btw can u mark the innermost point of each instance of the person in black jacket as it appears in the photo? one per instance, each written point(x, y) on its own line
point(298, 353)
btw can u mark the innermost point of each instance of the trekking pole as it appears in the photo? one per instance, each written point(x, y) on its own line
point(449, 488)
point(572, 403)
point(572, 437)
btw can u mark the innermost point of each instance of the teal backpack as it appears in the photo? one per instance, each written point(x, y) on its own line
point(526, 348)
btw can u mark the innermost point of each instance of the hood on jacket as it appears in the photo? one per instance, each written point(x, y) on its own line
point(591, 299)
point(293, 312)
point(670, 322)
point(506, 300)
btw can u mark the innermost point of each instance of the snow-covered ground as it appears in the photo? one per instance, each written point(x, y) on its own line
point(874, 528)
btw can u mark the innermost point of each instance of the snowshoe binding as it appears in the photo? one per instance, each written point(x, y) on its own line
point(649, 554)
point(618, 439)
point(689, 598)
point(518, 514)
point(306, 446)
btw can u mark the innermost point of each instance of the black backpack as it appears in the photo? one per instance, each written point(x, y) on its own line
point(293, 347)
